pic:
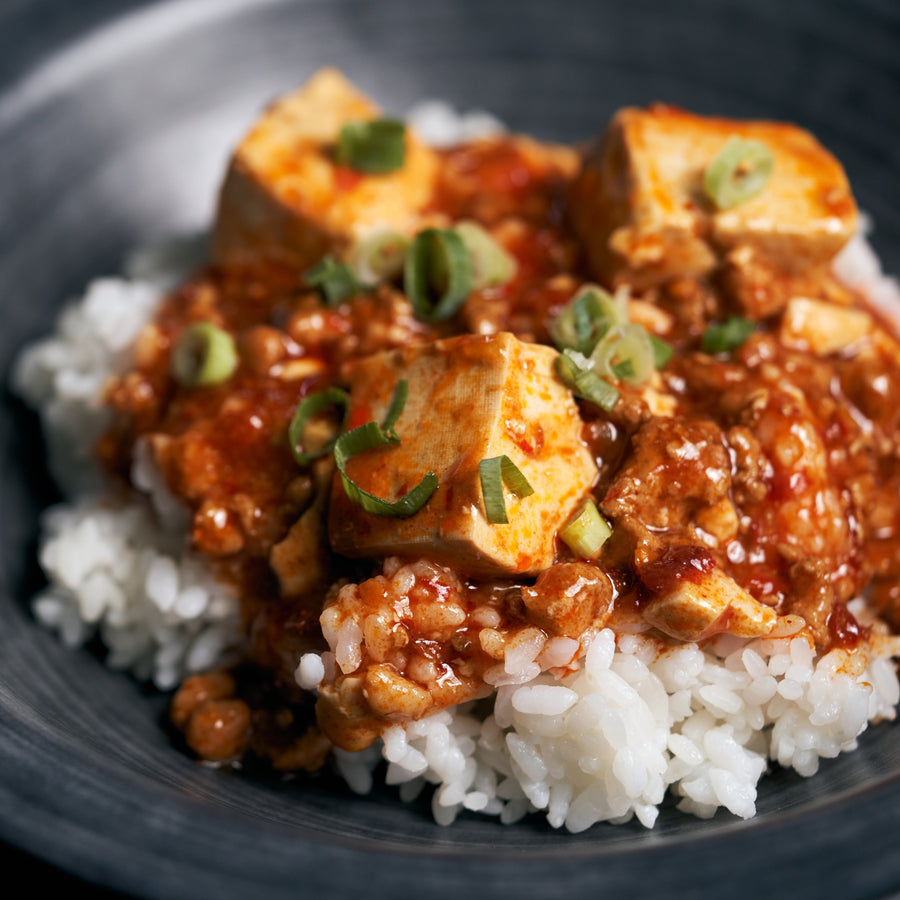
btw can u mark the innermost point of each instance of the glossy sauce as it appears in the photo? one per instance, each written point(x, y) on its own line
point(726, 481)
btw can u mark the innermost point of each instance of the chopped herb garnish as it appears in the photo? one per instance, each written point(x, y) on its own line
point(662, 351)
point(310, 407)
point(379, 256)
point(587, 532)
point(576, 372)
point(203, 356)
point(727, 336)
point(590, 315)
point(491, 264)
point(368, 437)
point(739, 172)
point(334, 281)
point(626, 354)
point(374, 146)
point(437, 274)
point(494, 473)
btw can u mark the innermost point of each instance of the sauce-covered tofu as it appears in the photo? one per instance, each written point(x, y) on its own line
point(712, 603)
point(286, 198)
point(470, 398)
point(640, 209)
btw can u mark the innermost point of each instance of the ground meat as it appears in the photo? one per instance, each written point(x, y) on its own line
point(776, 467)
point(215, 722)
point(676, 467)
point(569, 598)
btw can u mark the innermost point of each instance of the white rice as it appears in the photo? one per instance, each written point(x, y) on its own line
point(118, 569)
point(603, 739)
point(636, 719)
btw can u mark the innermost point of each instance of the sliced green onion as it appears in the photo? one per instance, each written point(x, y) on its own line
point(334, 280)
point(204, 355)
point(401, 392)
point(727, 336)
point(623, 370)
point(310, 407)
point(437, 274)
point(373, 146)
point(494, 473)
point(626, 354)
point(590, 315)
point(491, 264)
point(662, 351)
point(575, 371)
point(379, 256)
point(587, 532)
point(739, 172)
point(368, 437)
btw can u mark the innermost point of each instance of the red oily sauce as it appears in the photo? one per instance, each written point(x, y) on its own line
point(676, 564)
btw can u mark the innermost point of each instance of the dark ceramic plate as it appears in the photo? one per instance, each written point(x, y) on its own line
point(116, 120)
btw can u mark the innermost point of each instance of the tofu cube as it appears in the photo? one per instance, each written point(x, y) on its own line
point(470, 397)
point(284, 198)
point(639, 207)
point(715, 604)
point(823, 328)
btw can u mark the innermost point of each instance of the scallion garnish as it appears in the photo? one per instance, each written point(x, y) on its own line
point(334, 280)
point(727, 336)
point(494, 473)
point(437, 274)
point(368, 437)
point(374, 146)
point(662, 351)
point(623, 370)
point(587, 532)
point(310, 407)
point(738, 173)
point(379, 256)
point(204, 355)
point(590, 315)
point(491, 264)
point(401, 393)
point(576, 372)
point(626, 354)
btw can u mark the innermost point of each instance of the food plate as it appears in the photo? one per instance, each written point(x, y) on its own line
point(115, 123)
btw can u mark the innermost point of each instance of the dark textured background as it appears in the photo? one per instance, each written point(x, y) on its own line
point(116, 120)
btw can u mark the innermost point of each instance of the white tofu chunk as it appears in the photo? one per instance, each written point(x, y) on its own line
point(639, 207)
point(470, 398)
point(713, 604)
point(823, 328)
point(284, 197)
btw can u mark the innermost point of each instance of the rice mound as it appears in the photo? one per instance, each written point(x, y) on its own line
point(601, 740)
point(636, 719)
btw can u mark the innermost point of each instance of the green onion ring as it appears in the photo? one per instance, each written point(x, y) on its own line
point(586, 532)
point(376, 146)
point(662, 351)
point(494, 473)
point(334, 280)
point(626, 354)
point(309, 407)
point(588, 317)
point(204, 355)
point(368, 437)
point(379, 256)
point(401, 392)
point(575, 371)
point(491, 264)
point(437, 264)
point(727, 336)
point(738, 173)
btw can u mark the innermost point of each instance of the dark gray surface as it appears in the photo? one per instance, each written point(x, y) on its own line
point(114, 132)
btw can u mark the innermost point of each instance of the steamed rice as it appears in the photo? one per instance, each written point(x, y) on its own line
point(603, 739)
